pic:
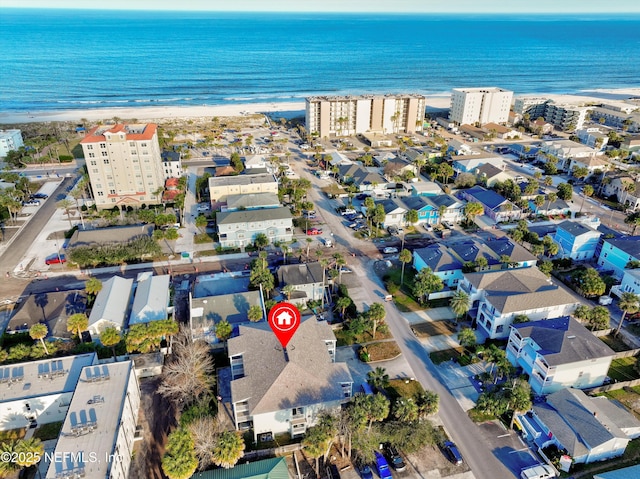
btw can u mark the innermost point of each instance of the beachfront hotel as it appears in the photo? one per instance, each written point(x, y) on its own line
point(330, 116)
point(10, 140)
point(480, 105)
point(124, 164)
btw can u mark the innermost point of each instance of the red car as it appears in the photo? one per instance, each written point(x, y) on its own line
point(314, 231)
point(55, 259)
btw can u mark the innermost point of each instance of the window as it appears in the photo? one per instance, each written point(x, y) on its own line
point(93, 163)
point(100, 193)
point(89, 147)
point(143, 145)
point(297, 411)
point(132, 144)
point(92, 155)
point(103, 145)
point(112, 192)
point(134, 152)
point(104, 153)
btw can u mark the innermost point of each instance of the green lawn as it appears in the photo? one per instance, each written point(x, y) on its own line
point(405, 388)
point(346, 338)
point(48, 431)
point(614, 343)
point(382, 351)
point(623, 369)
point(439, 357)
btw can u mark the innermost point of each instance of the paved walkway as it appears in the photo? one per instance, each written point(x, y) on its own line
point(458, 380)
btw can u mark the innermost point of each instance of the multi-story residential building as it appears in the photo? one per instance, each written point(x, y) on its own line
point(565, 116)
point(237, 229)
point(447, 259)
point(594, 137)
point(496, 206)
point(631, 143)
point(533, 106)
point(557, 354)
point(469, 163)
point(10, 140)
point(497, 297)
point(616, 253)
point(111, 308)
point(171, 164)
point(307, 280)
point(328, 116)
point(565, 151)
point(427, 212)
point(617, 116)
point(576, 240)
point(480, 105)
point(283, 390)
point(124, 164)
point(39, 391)
point(251, 201)
point(587, 428)
point(97, 437)
point(630, 283)
point(221, 187)
point(626, 188)
point(449, 208)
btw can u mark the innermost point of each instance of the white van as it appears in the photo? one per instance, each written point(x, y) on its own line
point(539, 471)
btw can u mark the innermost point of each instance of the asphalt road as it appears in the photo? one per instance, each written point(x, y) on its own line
point(27, 235)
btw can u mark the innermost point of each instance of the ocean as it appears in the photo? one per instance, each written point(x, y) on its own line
point(79, 59)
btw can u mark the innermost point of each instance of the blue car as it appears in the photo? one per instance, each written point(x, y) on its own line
point(383, 467)
point(365, 471)
point(452, 453)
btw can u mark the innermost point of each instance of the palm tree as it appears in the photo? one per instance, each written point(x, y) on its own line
point(467, 338)
point(460, 303)
point(629, 303)
point(228, 449)
point(378, 378)
point(65, 205)
point(405, 257)
point(342, 303)
point(93, 286)
point(587, 191)
point(40, 331)
point(376, 314)
point(7, 467)
point(288, 289)
point(77, 323)
point(255, 313)
point(473, 209)
point(551, 198)
point(110, 338)
point(29, 451)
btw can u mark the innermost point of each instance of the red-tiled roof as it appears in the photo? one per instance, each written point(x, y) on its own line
point(94, 137)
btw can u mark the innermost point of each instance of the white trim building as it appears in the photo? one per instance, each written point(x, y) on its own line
point(480, 105)
point(111, 306)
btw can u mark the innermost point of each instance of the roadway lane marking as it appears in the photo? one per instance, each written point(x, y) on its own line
point(504, 435)
point(519, 450)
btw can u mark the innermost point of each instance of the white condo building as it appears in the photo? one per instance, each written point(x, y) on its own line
point(480, 105)
point(329, 116)
point(10, 140)
point(124, 164)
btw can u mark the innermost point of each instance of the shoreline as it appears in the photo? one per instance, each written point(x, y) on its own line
point(290, 109)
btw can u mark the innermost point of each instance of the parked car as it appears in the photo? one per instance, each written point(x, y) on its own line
point(605, 300)
point(31, 203)
point(394, 457)
point(362, 196)
point(310, 216)
point(383, 466)
point(390, 250)
point(452, 453)
point(345, 270)
point(39, 196)
point(539, 471)
point(348, 211)
point(314, 231)
point(55, 259)
point(393, 230)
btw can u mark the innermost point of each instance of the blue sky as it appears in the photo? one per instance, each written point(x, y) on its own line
point(404, 6)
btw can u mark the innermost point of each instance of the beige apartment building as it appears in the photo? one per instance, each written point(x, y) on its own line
point(480, 105)
point(329, 116)
point(222, 186)
point(124, 164)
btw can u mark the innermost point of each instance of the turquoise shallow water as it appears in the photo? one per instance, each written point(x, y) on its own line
point(65, 59)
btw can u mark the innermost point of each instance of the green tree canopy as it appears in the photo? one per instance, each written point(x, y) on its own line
point(179, 460)
point(228, 449)
point(425, 283)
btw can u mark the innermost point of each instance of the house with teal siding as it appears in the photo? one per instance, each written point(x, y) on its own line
point(519, 257)
point(427, 212)
point(442, 261)
point(617, 252)
point(576, 240)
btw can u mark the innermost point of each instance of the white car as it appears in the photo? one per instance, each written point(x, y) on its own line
point(390, 250)
point(605, 300)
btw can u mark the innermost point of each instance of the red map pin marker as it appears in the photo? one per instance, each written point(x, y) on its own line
point(284, 319)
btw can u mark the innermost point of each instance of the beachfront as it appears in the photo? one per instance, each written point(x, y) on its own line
point(163, 113)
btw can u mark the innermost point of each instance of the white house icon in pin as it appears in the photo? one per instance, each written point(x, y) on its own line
point(284, 319)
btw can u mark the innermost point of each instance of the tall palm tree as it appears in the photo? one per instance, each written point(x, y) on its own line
point(65, 205)
point(629, 303)
point(587, 191)
point(228, 449)
point(342, 303)
point(77, 323)
point(39, 331)
point(405, 257)
point(255, 313)
point(460, 303)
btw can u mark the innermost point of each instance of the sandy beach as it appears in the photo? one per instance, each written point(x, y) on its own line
point(288, 109)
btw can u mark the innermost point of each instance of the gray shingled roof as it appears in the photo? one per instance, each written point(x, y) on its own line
point(245, 179)
point(253, 200)
point(514, 290)
point(113, 234)
point(272, 382)
point(563, 341)
point(629, 245)
point(250, 216)
point(414, 202)
point(471, 250)
point(438, 258)
point(576, 421)
point(446, 200)
point(489, 170)
point(391, 205)
point(504, 246)
point(297, 274)
point(233, 307)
